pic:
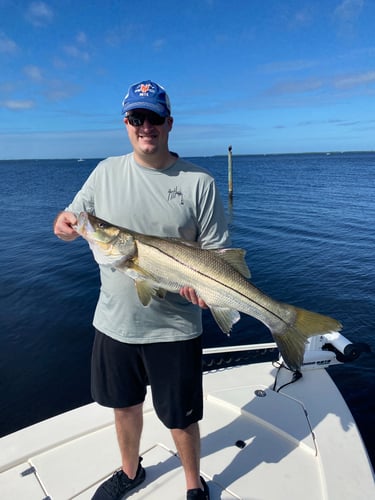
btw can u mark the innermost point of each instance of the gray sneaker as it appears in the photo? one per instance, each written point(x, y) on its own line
point(119, 485)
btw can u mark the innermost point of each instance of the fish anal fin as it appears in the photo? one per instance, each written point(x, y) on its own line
point(225, 318)
point(236, 258)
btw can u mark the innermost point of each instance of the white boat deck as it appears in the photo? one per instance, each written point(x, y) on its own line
point(257, 444)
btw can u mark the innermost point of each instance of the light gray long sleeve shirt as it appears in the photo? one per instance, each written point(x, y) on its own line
point(180, 201)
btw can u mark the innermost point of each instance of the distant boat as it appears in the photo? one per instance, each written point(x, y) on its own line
point(81, 159)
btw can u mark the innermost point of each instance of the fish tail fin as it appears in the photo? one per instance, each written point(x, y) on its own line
point(291, 342)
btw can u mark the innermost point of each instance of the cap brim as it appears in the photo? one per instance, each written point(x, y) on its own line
point(160, 109)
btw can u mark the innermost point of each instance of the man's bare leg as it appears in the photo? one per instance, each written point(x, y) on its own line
point(129, 424)
point(188, 445)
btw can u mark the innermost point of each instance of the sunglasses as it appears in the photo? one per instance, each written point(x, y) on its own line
point(137, 119)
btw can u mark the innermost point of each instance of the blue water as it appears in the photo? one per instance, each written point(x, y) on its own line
point(307, 222)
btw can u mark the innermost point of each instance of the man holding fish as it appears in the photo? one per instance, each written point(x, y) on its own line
point(150, 191)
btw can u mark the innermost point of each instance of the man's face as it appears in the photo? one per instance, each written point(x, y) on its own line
point(147, 135)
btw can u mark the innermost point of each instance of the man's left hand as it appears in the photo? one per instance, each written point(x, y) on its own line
point(189, 294)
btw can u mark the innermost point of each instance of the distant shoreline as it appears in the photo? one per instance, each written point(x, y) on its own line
point(310, 153)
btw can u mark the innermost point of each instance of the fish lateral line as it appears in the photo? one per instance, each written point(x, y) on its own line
point(218, 282)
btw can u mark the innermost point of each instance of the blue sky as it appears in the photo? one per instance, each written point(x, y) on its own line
point(264, 76)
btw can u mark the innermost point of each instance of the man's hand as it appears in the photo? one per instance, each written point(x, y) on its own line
point(189, 294)
point(62, 226)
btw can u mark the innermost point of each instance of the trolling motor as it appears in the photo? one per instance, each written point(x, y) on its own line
point(331, 349)
point(345, 350)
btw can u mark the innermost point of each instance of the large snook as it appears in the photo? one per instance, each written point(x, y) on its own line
point(219, 277)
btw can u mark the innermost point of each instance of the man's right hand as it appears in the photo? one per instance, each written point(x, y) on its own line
point(62, 226)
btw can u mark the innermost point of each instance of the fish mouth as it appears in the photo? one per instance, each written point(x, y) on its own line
point(83, 225)
point(96, 232)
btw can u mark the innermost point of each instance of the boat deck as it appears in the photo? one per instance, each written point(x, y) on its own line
point(256, 444)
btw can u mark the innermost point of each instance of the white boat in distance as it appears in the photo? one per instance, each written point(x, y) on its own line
point(266, 434)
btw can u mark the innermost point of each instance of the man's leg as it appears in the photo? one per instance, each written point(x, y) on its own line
point(188, 446)
point(175, 374)
point(129, 424)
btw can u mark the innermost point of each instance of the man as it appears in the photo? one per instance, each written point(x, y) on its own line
point(150, 191)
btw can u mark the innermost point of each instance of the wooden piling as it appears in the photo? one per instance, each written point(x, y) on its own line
point(230, 173)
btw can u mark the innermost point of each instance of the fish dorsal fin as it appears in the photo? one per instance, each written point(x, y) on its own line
point(193, 244)
point(236, 258)
point(225, 318)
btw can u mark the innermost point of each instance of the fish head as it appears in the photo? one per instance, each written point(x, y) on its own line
point(110, 244)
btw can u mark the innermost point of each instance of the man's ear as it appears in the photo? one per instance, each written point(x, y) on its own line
point(170, 122)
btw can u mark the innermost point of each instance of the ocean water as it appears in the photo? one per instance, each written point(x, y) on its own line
point(306, 221)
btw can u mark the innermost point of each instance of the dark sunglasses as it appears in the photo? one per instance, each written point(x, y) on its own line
point(137, 119)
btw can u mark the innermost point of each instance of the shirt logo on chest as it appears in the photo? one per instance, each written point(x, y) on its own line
point(176, 193)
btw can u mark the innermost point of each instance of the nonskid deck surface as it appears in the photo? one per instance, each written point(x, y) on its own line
point(256, 444)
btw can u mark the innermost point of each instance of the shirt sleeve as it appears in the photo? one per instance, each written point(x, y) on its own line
point(212, 219)
point(84, 200)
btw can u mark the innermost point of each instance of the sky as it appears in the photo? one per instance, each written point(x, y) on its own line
point(264, 76)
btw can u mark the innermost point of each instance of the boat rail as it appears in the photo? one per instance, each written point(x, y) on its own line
point(321, 351)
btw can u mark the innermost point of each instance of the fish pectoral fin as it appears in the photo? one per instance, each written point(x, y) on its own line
point(225, 318)
point(236, 258)
point(144, 291)
point(134, 271)
point(145, 283)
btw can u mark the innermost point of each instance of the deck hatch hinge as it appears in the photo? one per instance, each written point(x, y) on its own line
point(27, 472)
point(312, 432)
point(32, 470)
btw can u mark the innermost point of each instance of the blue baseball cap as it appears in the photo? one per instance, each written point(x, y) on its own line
point(147, 95)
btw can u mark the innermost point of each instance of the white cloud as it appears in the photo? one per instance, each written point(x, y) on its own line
point(7, 45)
point(77, 49)
point(39, 14)
point(77, 53)
point(295, 87)
point(348, 10)
point(81, 37)
point(355, 80)
point(287, 66)
point(58, 90)
point(158, 44)
point(59, 63)
point(301, 18)
point(347, 15)
point(17, 105)
point(33, 72)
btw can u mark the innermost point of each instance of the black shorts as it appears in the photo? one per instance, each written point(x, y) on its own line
point(120, 373)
